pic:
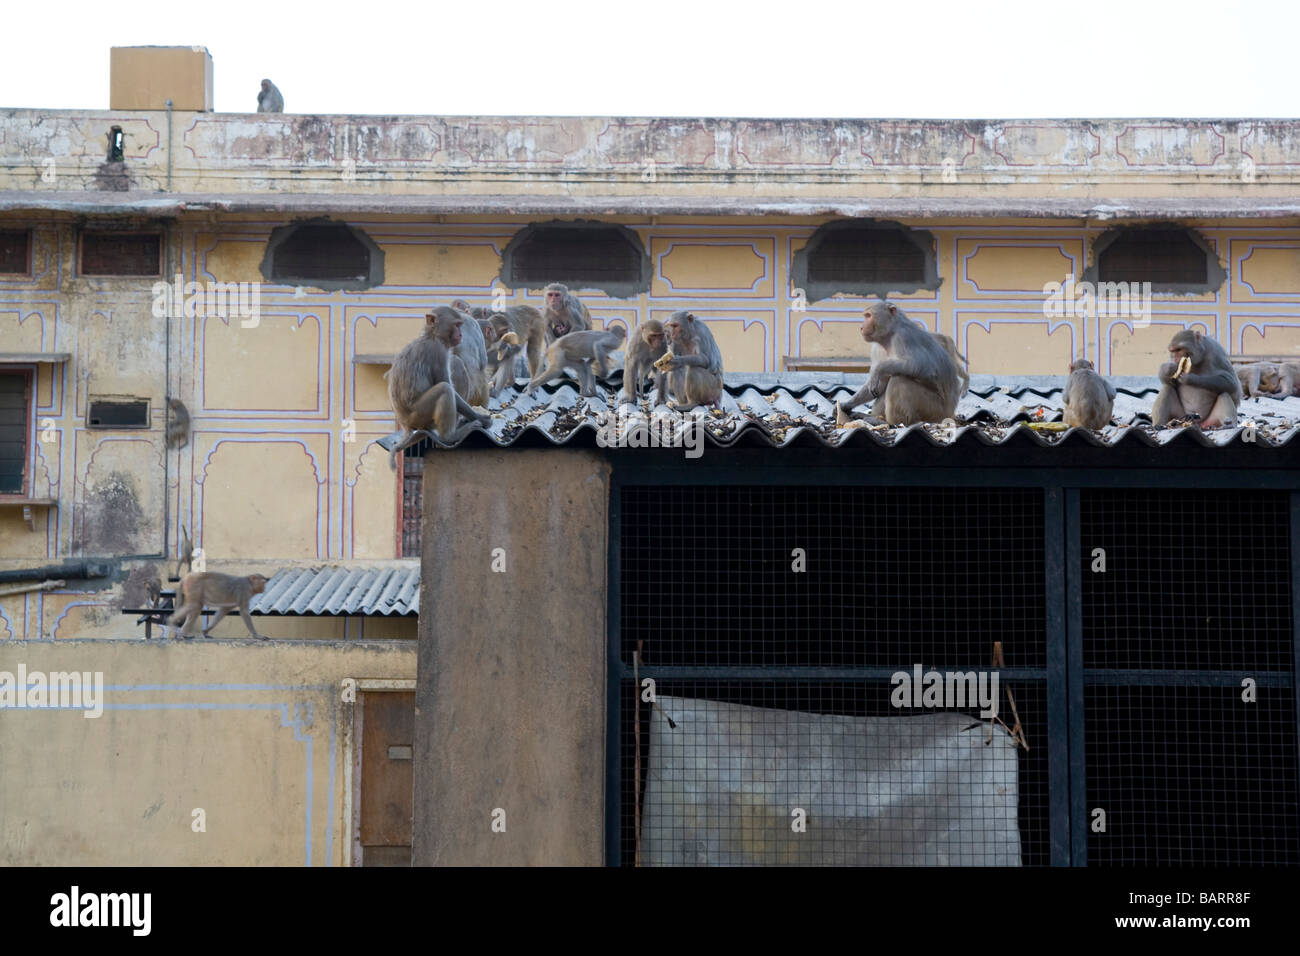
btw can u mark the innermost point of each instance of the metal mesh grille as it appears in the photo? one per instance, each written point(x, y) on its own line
point(321, 252)
point(1192, 776)
point(1160, 256)
point(894, 577)
point(576, 257)
point(1194, 598)
point(866, 255)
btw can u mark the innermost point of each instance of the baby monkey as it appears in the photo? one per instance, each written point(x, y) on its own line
point(583, 352)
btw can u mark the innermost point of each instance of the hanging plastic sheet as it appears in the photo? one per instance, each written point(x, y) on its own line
point(725, 787)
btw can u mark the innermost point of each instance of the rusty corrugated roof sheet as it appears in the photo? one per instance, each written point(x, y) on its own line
point(390, 590)
point(778, 410)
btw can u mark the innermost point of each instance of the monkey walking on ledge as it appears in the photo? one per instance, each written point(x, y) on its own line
point(225, 592)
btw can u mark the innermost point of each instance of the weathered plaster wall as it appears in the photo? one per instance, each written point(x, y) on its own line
point(572, 156)
point(256, 735)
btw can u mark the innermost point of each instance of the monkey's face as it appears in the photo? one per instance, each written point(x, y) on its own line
point(873, 322)
point(257, 583)
point(1185, 345)
point(653, 339)
point(453, 334)
point(554, 299)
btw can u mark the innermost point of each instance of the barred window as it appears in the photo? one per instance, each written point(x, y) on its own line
point(15, 252)
point(865, 258)
point(579, 254)
point(121, 254)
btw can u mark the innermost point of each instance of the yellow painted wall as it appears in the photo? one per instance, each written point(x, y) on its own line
point(255, 735)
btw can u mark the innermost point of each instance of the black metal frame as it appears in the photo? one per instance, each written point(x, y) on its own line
point(1066, 678)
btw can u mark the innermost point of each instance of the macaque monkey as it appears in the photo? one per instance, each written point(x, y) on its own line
point(563, 313)
point(647, 345)
point(1089, 399)
point(469, 363)
point(225, 592)
point(1198, 381)
point(583, 352)
point(919, 380)
point(1259, 378)
point(529, 330)
point(269, 99)
point(1289, 383)
point(185, 555)
point(178, 425)
point(693, 363)
point(878, 355)
point(420, 384)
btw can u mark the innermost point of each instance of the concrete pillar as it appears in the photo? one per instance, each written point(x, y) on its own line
point(510, 698)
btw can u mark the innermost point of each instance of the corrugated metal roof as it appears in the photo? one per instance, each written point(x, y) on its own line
point(778, 410)
point(393, 589)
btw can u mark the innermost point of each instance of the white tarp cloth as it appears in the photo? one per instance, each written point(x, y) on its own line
point(920, 790)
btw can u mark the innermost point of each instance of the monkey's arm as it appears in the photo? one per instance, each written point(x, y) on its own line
point(466, 409)
point(864, 394)
point(248, 622)
point(1166, 373)
point(1222, 380)
point(700, 361)
point(1110, 389)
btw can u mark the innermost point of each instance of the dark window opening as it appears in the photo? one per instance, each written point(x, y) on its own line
point(121, 254)
point(866, 255)
point(15, 392)
point(16, 252)
point(327, 255)
point(412, 503)
point(110, 414)
point(1158, 256)
point(322, 252)
point(580, 255)
point(865, 258)
point(115, 143)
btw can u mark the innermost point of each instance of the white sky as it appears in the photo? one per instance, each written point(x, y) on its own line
point(850, 58)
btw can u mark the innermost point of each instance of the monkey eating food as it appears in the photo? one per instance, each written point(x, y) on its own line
point(1198, 381)
point(645, 350)
point(693, 363)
